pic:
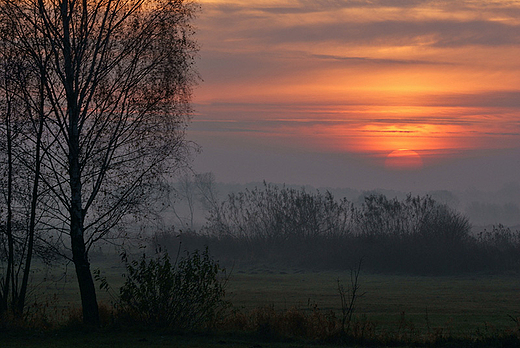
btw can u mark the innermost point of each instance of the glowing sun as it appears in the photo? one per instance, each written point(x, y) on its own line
point(403, 159)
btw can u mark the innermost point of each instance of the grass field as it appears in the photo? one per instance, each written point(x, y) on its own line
point(459, 305)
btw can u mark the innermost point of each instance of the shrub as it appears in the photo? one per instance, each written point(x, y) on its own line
point(187, 294)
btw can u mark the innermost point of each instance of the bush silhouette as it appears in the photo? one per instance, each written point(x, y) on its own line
point(186, 294)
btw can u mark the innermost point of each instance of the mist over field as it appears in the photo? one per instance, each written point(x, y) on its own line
point(418, 233)
point(483, 208)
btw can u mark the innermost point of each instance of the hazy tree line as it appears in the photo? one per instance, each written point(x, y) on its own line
point(94, 103)
point(294, 227)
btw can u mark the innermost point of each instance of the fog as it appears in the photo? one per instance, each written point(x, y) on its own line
point(244, 161)
point(333, 228)
point(483, 208)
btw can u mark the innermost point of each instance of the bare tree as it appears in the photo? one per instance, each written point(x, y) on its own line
point(7, 237)
point(349, 297)
point(208, 194)
point(20, 173)
point(117, 79)
point(195, 191)
point(185, 192)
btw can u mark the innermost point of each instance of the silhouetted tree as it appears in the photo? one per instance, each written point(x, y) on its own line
point(116, 82)
point(273, 219)
point(21, 133)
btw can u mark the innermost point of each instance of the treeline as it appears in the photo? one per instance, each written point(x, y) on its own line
point(295, 228)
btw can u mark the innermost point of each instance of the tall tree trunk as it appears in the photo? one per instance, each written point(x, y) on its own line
point(9, 226)
point(82, 265)
point(77, 217)
point(77, 214)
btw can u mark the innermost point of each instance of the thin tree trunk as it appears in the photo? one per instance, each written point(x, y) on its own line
point(34, 203)
point(8, 227)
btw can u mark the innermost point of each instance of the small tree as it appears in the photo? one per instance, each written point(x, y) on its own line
point(348, 297)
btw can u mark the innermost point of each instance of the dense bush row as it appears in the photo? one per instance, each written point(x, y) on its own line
point(291, 227)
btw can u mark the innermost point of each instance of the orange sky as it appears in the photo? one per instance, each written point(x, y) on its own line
point(364, 78)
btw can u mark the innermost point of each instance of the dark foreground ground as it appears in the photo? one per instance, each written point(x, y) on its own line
point(121, 338)
point(394, 310)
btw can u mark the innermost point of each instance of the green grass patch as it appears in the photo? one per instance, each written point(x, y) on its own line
point(398, 309)
point(460, 304)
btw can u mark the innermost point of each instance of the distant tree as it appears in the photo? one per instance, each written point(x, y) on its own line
point(194, 192)
point(116, 80)
point(419, 216)
point(185, 191)
point(290, 225)
point(207, 191)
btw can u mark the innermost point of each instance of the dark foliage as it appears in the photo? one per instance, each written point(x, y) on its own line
point(186, 294)
point(289, 227)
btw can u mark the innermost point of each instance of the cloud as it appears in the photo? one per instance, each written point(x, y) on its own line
point(495, 102)
point(448, 23)
point(489, 99)
point(442, 33)
point(364, 60)
point(339, 75)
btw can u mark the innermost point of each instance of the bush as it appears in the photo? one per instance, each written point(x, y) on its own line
point(289, 227)
point(187, 294)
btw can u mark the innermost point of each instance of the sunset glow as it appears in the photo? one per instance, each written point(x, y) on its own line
point(403, 159)
point(363, 78)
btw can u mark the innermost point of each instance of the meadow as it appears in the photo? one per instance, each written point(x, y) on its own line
point(413, 308)
point(461, 305)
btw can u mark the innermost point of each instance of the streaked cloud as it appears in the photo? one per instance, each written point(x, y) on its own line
point(363, 77)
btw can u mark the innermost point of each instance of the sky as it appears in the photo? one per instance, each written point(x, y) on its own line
point(394, 94)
